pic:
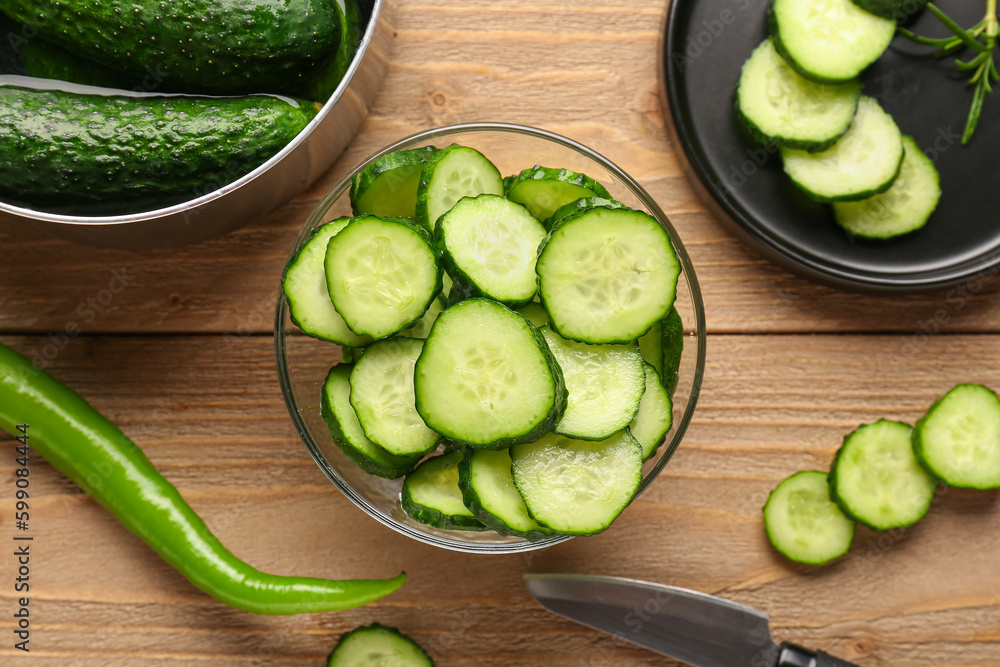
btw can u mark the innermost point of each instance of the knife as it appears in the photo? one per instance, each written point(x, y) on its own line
point(701, 630)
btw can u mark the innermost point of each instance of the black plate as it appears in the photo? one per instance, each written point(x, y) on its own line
point(705, 45)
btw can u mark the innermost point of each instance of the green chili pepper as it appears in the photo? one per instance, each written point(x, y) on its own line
point(90, 450)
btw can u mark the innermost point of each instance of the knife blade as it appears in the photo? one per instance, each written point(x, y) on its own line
point(698, 629)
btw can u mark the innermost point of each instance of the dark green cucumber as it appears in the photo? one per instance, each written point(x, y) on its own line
point(219, 46)
point(325, 82)
point(48, 61)
point(147, 151)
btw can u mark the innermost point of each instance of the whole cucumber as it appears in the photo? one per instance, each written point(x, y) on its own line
point(60, 149)
point(214, 46)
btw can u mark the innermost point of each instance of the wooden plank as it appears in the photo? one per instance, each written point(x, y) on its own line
point(210, 415)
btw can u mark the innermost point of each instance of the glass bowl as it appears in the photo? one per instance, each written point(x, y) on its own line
point(304, 362)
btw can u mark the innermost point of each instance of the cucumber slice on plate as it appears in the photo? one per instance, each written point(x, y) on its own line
point(453, 173)
point(388, 186)
point(487, 378)
point(828, 41)
point(958, 440)
point(488, 245)
point(382, 274)
point(654, 416)
point(488, 490)
point(877, 480)
point(903, 208)
point(607, 275)
point(578, 206)
point(605, 384)
point(803, 523)
point(377, 646)
point(863, 163)
point(383, 399)
point(781, 106)
point(431, 495)
point(577, 487)
point(543, 190)
point(347, 433)
point(304, 285)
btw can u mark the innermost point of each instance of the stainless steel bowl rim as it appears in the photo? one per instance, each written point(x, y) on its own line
point(697, 305)
point(240, 182)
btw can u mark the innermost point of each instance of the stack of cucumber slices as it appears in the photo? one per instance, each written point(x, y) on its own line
point(800, 91)
point(886, 475)
point(510, 345)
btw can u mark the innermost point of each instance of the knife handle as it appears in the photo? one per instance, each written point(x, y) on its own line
point(790, 655)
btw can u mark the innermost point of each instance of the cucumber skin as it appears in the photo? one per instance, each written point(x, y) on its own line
point(578, 206)
point(673, 349)
point(798, 560)
point(783, 52)
point(370, 466)
point(148, 151)
point(539, 172)
point(376, 626)
point(896, 10)
point(843, 506)
point(918, 445)
point(48, 61)
point(475, 504)
point(229, 46)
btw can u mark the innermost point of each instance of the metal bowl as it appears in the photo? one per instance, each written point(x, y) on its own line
point(265, 188)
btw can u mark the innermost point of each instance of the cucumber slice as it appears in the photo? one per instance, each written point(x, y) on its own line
point(803, 523)
point(304, 285)
point(607, 275)
point(487, 378)
point(488, 490)
point(489, 245)
point(896, 10)
point(543, 190)
point(377, 646)
point(673, 349)
point(422, 327)
point(453, 173)
point(781, 106)
point(903, 208)
point(863, 163)
point(535, 313)
point(654, 417)
point(431, 495)
point(388, 186)
point(828, 41)
point(577, 487)
point(605, 384)
point(651, 347)
point(382, 274)
point(578, 206)
point(382, 396)
point(347, 432)
point(876, 479)
point(958, 440)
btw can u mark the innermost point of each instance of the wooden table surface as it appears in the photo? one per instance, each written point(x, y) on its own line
point(182, 359)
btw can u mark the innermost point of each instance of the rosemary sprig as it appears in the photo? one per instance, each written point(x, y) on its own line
point(981, 38)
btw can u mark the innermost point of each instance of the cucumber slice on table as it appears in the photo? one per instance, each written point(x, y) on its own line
point(607, 275)
point(781, 106)
point(453, 173)
point(828, 41)
point(903, 208)
point(487, 378)
point(654, 416)
point(388, 186)
point(304, 285)
point(543, 190)
point(892, 9)
point(377, 646)
point(803, 523)
point(383, 399)
point(864, 162)
point(605, 384)
point(382, 274)
point(877, 480)
point(431, 494)
point(347, 433)
point(579, 206)
point(488, 245)
point(577, 487)
point(958, 440)
point(488, 490)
